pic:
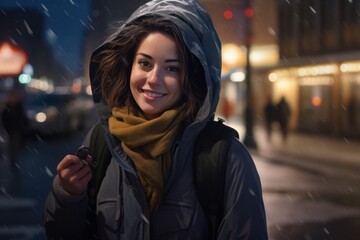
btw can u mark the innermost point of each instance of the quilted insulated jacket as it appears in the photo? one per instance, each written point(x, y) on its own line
point(122, 211)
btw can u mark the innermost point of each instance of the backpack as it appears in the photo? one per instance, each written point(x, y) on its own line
point(209, 164)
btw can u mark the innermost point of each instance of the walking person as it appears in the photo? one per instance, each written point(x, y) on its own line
point(156, 85)
point(284, 113)
point(270, 111)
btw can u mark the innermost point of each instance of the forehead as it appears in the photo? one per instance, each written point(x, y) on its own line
point(159, 43)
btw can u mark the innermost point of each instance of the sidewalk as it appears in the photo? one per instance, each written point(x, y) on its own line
point(303, 148)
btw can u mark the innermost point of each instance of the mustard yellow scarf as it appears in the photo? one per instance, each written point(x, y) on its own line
point(148, 143)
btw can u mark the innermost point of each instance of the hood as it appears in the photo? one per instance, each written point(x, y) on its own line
point(198, 34)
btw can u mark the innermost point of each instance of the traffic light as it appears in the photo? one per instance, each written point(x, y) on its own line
point(249, 12)
point(228, 14)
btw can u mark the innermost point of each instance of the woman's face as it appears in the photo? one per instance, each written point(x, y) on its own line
point(155, 75)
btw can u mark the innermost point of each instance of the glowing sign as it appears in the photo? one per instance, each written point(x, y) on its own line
point(316, 101)
point(12, 60)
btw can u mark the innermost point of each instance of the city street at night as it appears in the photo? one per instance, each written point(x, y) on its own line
point(305, 198)
point(311, 185)
point(284, 73)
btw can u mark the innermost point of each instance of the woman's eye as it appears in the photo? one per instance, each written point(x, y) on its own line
point(144, 64)
point(173, 69)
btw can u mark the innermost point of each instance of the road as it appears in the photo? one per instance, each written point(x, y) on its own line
point(310, 202)
point(24, 187)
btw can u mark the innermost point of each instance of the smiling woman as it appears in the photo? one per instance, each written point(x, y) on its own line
point(156, 84)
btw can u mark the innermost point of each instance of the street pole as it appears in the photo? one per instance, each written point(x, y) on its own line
point(249, 140)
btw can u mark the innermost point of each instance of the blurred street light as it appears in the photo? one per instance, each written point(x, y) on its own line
point(232, 57)
point(12, 59)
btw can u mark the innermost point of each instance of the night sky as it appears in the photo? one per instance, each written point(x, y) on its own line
point(65, 23)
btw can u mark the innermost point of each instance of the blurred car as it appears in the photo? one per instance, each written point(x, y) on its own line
point(51, 114)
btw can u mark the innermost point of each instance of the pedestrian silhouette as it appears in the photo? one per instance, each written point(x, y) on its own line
point(227, 108)
point(351, 112)
point(284, 113)
point(270, 111)
point(15, 123)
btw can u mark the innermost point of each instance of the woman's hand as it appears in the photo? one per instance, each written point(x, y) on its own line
point(74, 174)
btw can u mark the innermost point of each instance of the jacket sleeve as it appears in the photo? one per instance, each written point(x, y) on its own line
point(244, 212)
point(65, 215)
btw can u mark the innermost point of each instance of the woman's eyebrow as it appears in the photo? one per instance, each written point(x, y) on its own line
point(144, 55)
point(150, 57)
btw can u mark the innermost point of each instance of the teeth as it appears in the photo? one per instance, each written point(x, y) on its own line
point(153, 94)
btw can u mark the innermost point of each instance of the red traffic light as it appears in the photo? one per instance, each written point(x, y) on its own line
point(228, 14)
point(249, 12)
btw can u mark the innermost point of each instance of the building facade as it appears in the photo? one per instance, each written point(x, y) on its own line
point(24, 29)
point(319, 67)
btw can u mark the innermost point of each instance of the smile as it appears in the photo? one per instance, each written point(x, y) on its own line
point(153, 94)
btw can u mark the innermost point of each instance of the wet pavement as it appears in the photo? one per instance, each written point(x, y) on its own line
point(309, 148)
point(302, 204)
point(311, 185)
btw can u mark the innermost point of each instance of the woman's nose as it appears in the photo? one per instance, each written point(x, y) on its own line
point(154, 76)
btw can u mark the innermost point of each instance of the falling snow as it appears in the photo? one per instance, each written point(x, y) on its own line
point(28, 28)
point(313, 9)
point(48, 172)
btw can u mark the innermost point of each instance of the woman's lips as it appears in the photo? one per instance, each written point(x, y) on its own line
point(152, 93)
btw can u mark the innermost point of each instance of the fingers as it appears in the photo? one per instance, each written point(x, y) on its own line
point(67, 161)
point(78, 184)
point(74, 174)
point(87, 160)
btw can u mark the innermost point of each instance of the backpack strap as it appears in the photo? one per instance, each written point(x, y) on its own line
point(209, 162)
point(96, 143)
point(101, 160)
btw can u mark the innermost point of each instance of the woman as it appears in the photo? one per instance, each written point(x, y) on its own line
point(155, 84)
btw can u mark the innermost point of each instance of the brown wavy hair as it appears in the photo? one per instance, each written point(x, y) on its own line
point(115, 63)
